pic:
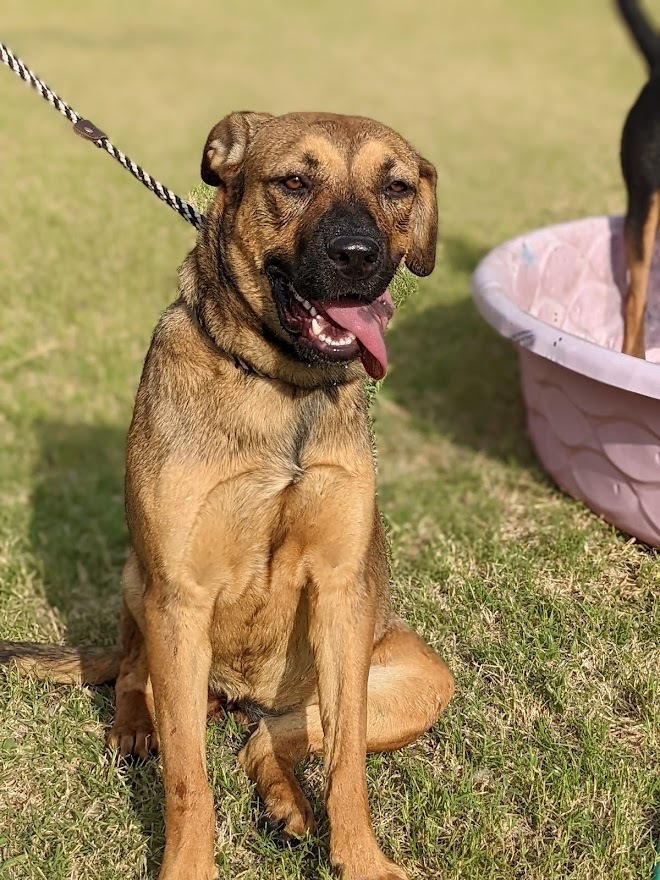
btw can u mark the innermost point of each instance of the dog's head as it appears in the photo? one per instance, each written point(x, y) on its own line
point(313, 215)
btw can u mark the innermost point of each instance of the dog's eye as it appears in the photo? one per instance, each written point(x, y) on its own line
point(295, 183)
point(397, 188)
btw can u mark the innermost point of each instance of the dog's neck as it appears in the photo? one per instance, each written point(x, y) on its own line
point(248, 369)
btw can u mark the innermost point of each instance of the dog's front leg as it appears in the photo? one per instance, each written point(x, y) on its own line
point(179, 653)
point(341, 635)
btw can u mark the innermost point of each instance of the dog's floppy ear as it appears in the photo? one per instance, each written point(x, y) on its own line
point(227, 145)
point(420, 258)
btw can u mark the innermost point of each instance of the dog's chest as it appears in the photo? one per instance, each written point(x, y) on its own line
point(260, 540)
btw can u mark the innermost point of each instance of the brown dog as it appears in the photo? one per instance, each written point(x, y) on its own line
point(258, 569)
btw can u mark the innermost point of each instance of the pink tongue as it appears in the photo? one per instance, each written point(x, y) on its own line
point(368, 324)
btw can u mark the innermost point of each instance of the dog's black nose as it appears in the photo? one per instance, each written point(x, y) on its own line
point(355, 256)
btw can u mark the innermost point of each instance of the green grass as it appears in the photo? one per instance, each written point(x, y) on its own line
point(546, 765)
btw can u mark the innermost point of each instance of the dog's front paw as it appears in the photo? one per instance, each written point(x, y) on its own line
point(188, 864)
point(376, 868)
point(188, 872)
point(390, 872)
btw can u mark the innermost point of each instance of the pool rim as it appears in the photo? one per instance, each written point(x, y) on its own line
point(559, 346)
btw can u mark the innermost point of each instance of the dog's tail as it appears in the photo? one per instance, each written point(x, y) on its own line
point(62, 665)
point(643, 32)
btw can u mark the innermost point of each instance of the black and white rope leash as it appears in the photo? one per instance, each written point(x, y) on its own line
point(90, 132)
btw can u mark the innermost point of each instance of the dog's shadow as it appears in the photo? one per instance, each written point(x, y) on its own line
point(79, 541)
point(77, 529)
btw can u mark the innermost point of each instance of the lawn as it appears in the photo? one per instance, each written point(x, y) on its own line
point(546, 765)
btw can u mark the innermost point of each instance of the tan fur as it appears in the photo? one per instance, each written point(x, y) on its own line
point(258, 567)
point(639, 255)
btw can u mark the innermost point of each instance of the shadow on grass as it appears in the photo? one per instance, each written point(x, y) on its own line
point(79, 539)
point(77, 531)
point(454, 374)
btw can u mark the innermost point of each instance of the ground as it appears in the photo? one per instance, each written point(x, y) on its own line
point(546, 765)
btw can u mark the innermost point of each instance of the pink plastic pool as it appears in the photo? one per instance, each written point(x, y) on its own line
point(593, 413)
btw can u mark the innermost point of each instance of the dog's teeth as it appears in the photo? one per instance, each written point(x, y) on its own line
point(298, 297)
point(307, 305)
point(318, 330)
point(313, 311)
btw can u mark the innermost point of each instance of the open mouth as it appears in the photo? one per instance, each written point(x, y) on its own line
point(336, 331)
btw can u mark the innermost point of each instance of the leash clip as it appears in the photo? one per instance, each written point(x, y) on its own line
point(89, 131)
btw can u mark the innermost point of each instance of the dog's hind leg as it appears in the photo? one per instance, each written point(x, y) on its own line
point(639, 237)
point(133, 730)
point(408, 687)
point(269, 758)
